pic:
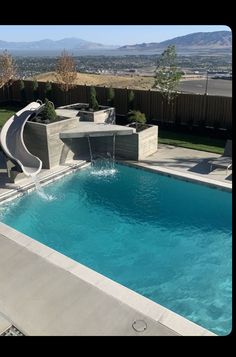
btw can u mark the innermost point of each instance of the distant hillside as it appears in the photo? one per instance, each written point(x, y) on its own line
point(70, 44)
point(210, 40)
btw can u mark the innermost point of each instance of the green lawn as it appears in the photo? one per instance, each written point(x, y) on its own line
point(6, 113)
point(191, 141)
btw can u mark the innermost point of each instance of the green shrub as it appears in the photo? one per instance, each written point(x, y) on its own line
point(22, 91)
point(48, 113)
point(110, 96)
point(136, 116)
point(131, 96)
point(35, 86)
point(48, 91)
point(93, 103)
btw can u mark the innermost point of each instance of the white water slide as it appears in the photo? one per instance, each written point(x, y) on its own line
point(12, 142)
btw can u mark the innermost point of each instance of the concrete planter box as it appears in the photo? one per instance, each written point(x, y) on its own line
point(104, 115)
point(138, 145)
point(43, 141)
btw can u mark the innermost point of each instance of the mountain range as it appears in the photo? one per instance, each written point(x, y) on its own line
point(45, 45)
point(208, 40)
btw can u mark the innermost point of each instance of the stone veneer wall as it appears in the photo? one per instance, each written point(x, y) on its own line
point(43, 141)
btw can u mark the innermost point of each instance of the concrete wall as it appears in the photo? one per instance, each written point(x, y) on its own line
point(148, 142)
point(35, 138)
point(131, 147)
point(105, 115)
point(99, 145)
point(43, 141)
point(138, 145)
point(78, 147)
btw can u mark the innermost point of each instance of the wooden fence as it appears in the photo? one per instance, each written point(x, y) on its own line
point(194, 109)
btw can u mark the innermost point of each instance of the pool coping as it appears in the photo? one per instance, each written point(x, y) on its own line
point(184, 176)
point(151, 309)
point(49, 177)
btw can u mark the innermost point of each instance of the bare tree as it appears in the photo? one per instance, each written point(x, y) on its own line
point(66, 71)
point(7, 69)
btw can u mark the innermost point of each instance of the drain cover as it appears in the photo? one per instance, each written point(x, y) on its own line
point(12, 331)
point(139, 325)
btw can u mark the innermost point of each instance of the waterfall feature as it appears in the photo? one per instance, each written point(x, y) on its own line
point(104, 165)
point(90, 150)
point(114, 148)
point(40, 191)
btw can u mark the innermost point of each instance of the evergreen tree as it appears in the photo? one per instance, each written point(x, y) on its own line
point(136, 116)
point(48, 113)
point(130, 100)
point(22, 91)
point(48, 91)
point(35, 90)
point(93, 103)
point(110, 96)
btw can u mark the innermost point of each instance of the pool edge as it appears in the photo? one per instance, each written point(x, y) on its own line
point(184, 176)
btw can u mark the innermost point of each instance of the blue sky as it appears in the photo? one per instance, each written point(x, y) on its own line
point(105, 34)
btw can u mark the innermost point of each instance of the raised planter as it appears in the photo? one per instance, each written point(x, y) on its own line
point(138, 145)
point(103, 115)
point(43, 141)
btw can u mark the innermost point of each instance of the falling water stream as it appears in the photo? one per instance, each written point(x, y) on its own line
point(39, 189)
point(104, 166)
point(90, 150)
point(114, 148)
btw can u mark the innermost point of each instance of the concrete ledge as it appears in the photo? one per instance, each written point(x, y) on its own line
point(94, 129)
point(179, 175)
point(27, 185)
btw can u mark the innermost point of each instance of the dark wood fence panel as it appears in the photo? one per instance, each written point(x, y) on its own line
point(193, 109)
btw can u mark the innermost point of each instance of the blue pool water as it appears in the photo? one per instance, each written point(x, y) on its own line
point(167, 239)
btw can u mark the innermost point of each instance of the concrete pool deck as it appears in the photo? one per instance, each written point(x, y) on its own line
point(187, 164)
point(43, 292)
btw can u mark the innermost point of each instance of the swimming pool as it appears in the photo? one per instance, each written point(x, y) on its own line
point(167, 239)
